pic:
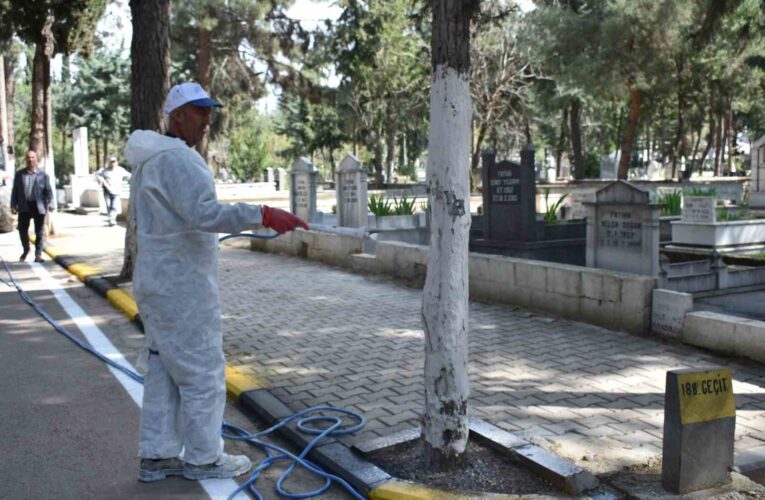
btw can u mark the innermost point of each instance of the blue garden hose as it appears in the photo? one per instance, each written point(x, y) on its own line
point(306, 419)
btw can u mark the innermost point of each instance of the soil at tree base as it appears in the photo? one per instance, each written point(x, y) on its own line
point(485, 471)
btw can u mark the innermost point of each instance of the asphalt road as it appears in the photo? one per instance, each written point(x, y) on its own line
point(69, 429)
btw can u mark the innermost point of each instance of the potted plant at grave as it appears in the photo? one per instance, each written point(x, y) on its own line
point(393, 213)
point(551, 211)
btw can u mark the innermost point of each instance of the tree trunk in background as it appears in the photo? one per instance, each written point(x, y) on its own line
point(445, 297)
point(561, 142)
point(37, 132)
point(710, 138)
point(390, 146)
point(3, 116)
point(629, 134)
point(576, 138)
point(106, 151)
point(730, 136)
point(149, 83)
point(678, 145)
point(476, 155)
point(10, 91)
point(718, 144)
point(204, 57)
point(98, 152)
point(378, 161)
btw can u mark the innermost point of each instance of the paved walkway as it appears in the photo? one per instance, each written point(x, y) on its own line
point(317, 334)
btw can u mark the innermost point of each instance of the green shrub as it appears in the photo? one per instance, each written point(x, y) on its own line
point(551, 213)
point(379, 205)
point(670, 203)
point(404, 206)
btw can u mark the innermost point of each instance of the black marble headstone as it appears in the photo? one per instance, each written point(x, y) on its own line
point(509, 198)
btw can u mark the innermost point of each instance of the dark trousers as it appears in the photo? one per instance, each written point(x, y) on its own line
point(24, 218)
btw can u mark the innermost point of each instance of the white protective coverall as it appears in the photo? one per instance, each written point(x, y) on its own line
point(176, 286)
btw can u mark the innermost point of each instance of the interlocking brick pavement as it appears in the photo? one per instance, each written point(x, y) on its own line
point(321, 335)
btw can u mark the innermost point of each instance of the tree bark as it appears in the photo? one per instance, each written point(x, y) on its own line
point(629, 134)
point(718, 143)
point(149, 83)
point(390, 146)
point(10, 92)
point(3, 116)
point(576, 138)
point(204, 58)
point(710, 138)
point(678, 147)
point(37, 132)
point(561, 142)
point(445, 297)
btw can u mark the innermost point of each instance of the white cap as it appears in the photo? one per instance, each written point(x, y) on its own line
point(113, 158)
point(185, 93)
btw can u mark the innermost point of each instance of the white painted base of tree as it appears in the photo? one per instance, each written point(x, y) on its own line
point(445, 298)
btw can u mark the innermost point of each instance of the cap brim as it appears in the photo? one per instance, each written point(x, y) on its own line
point(206, 103)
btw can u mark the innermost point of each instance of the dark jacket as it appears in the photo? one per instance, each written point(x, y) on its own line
point(42, 190)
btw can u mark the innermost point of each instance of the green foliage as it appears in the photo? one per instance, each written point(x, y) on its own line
point(380, 206)
point(404, 205)
point(248, 153)
point(551, 211)
point(671, 203)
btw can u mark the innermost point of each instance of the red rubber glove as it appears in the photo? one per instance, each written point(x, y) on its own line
point(280, 220)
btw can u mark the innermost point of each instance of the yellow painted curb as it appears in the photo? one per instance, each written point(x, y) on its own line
point(123, 301)
point(52, 252)
point(82, 270)
point(403, 490)
point(238, 382)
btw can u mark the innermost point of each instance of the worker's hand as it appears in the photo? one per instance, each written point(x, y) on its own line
point(280, 220)
point(51, 208)
point(14, 211)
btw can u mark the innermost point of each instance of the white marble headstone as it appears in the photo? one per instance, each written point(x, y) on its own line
point(699, 209)
point(668, 311)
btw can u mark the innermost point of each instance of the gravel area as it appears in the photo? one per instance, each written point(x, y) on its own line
point(485, 471)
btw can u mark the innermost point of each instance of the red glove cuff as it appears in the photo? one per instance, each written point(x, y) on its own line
point(265, 211)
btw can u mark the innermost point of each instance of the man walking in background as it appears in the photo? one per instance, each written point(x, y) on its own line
point(111, 178)
point(31, 197)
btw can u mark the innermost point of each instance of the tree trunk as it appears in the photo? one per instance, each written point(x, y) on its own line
point(710, 138)
point(561, 142)
point(204, 56)
point(445, 297)
point(629, 134)
point(149, 83)
point(378, 161)
point(98, 153)
point(576, 138)
point(718, 143)
point(678, 147)
point(390, 145)
point(37, 132)
point(3, 117)
point(476, 155)
point(10, 91)
point(730, 136)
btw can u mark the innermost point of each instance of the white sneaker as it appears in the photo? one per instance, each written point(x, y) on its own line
point(226, 467)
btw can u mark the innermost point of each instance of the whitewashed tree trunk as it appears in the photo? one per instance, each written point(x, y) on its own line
point(445, 298)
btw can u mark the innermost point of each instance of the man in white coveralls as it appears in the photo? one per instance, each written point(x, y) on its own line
point(176, 286)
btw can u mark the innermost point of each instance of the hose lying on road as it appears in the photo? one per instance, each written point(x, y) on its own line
point(306, 419)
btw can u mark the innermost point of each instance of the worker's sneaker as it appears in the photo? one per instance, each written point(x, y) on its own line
point(226, 467)
point(155, 470)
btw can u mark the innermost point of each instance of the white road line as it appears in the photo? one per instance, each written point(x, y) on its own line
point(217, 489)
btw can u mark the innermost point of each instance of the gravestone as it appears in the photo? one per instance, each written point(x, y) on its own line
point(608, 168)
point(699, 429)
point(303, 189)
point(509, 198)
point(351, 193)
point(623, 230)
point(81, 179)
point(699, 209)
point(757, 184)
point(668, 311)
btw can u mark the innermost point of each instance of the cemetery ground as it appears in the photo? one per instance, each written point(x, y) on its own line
point(314, 334)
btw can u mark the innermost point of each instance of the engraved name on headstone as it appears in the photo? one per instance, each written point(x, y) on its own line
point(699, 209)
point(699, 428)
point(303, 189)
point(351, 193)
point(509, 197)
point(668, 312)
point(619, 228)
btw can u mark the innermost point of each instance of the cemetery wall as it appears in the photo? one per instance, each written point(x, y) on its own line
point(610, 299)
point(725, 334)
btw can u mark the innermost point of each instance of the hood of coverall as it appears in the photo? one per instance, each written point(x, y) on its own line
point(145, 144)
